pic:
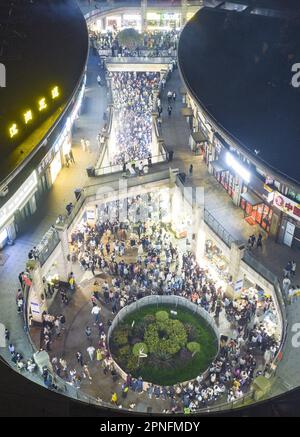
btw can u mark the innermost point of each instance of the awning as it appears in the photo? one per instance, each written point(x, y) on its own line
point(251, 198)
point(198, 137)
point(218, 165)
point(187, 112)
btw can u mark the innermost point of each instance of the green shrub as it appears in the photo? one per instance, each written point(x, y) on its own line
point(133, 363)
point(193, 347)
point(120, 337)
point(162, 316)
point(129, 38)
point(138, 347)
point(148, 319)
point(191, 332)
point(139, 329)
point(168, 336)
point(124, 351)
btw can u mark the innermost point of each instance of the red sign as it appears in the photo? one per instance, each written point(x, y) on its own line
point(286, 205)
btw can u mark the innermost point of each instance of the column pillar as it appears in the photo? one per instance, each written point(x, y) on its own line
point(63, 265)
point(198, 242)
point(184, 7)
point(37, 302)
point(144, 15)
point(236, 254)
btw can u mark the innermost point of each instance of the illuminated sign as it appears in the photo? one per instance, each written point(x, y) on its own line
point(286, 205)
point(42, 104)
point(13, 130)
point(55, 92)
point(27, 116)
point(237, 167)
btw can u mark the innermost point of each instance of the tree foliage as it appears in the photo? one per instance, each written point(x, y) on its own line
point(129, 38)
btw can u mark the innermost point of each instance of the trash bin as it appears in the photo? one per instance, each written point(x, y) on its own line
point(170, 155)
point(90, 172)
point(77, 193)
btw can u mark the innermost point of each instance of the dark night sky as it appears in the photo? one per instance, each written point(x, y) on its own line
point(238, 65)
point(41, 44)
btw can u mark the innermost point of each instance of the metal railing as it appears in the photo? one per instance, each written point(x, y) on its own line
point(118, 168)
point(218, 229)
point(138, 60)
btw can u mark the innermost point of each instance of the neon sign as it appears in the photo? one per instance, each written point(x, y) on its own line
point(13, 130)
point(28, 115)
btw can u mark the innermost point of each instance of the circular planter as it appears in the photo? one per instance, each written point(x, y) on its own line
point(172, 350)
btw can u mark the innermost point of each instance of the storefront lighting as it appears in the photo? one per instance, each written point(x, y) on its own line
point(27, 116)
point(42, 104)
point(55, 92)
point(237, 167)
point(13, 130)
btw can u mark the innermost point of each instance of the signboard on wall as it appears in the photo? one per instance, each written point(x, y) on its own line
point(286, 205)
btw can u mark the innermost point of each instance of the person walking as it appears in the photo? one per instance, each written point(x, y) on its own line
point(286, 283)
point(86, 372)
point(259, 241)
point(79, 358)
point(88, 333)
point(114, 398)
point(87, 145)
point(169, 96)
point(91, 351)
point(96, 313)
point(293, 268)
point(99, 80)
point(169, 110)
point(191, 170)
point(83, 145)
point(71, 156)
point(174, 96)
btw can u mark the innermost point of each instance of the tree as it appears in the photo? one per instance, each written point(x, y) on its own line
point(129, 38)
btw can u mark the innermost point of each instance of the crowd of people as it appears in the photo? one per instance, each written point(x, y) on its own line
point(161, 269)
point(133, 98)
point(153, 43)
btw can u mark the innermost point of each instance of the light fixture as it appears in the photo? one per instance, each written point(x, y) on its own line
point(232, 162)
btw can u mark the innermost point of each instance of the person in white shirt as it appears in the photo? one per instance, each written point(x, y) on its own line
point(91, 352)
point(96, 313)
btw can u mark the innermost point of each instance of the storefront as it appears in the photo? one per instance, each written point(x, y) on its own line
point(256, 211)
point(113, 22)
point(55, 166)
point(289, 231)
point(21, 205)
point(197, 142)
point(163, 20)
point(133, 21)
